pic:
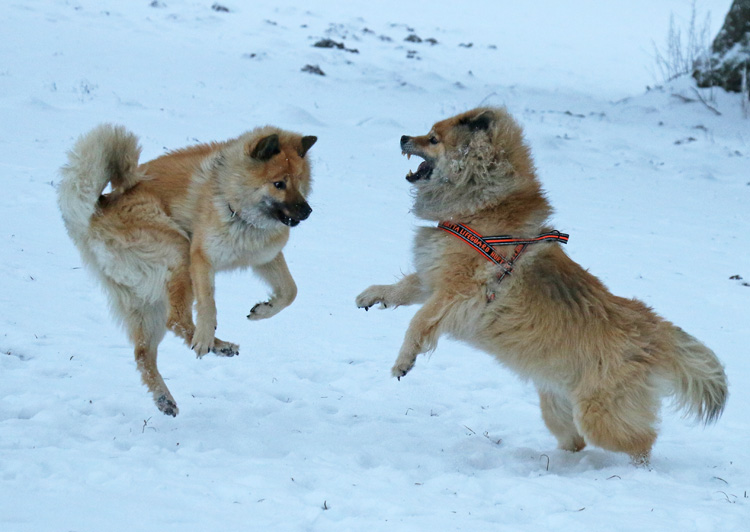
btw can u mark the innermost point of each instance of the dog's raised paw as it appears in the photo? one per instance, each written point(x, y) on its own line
point(225, 349)
point(262, 311)
point(167, 406)
point(201, 349)
point(371, 297)
point(203, 341)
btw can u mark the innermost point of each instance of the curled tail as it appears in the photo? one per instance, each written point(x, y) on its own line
point(107, 154)
point(698, 377)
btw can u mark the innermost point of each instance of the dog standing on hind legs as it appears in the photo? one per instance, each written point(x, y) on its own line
point(493, 274)
point(157, 239)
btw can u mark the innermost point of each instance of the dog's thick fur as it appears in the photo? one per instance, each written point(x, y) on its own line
point(600, 363)
point(157, 238)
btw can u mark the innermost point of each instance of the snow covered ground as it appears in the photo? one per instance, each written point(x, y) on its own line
point(306, 430)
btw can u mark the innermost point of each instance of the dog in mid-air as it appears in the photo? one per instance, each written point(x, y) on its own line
point(493, 274)
point(157, 238)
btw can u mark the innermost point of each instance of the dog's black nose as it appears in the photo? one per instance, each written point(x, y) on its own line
point(405, 139)
point(303, 211)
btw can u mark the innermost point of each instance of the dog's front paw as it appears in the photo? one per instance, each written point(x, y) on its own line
point(202, 342)
point(402, 366)
point(265, 310)
point(372, 296)
point(225, 349)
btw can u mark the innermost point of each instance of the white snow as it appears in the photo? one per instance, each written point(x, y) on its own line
point(306, 430)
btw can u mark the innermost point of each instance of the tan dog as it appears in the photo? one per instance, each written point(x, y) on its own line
point(599, 362)
point(167, 226)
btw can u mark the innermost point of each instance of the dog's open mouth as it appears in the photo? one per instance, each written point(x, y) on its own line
point(424, 171)
point(287, 220)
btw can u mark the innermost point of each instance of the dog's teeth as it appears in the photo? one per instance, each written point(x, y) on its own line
point(410, 174)
point(408, 156)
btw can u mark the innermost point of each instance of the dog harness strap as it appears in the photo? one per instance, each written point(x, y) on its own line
point(475, 240)
point(483, 245)
point(552, 236)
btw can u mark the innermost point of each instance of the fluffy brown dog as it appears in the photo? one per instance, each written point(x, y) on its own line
point(599, 362)
point(157, 239)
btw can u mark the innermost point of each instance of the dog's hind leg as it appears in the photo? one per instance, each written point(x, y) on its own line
point(146, 325)
point(180, 291)
point(557, 412)
point(180, 321)
point(620, 419)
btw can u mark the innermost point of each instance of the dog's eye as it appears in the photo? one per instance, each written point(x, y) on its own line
point(434, 140)
point(280, 185)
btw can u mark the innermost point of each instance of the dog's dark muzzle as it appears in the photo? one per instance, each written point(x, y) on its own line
point(293, 214)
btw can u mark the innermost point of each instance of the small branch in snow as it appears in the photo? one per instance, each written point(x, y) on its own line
point(730, 501)
point(682, 98)
point(704, 102)
point(686, 99)
point(496, 442)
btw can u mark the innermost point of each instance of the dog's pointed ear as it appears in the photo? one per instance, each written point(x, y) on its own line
point(481, 122)
point(307, 143)
point(266, 148)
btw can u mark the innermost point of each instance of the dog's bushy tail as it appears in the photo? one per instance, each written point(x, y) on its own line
point(107, 154)
point(698, 378)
